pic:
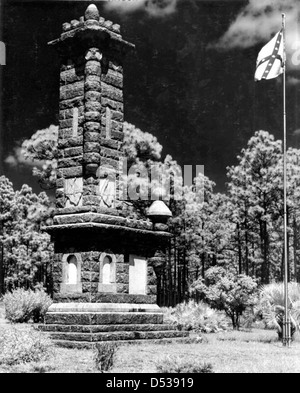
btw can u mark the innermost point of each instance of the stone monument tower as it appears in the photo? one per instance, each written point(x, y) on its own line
point(103, 279)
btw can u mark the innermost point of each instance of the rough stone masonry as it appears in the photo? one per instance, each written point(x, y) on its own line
point(104, 271)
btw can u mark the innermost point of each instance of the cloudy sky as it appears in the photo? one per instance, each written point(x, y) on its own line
point(190, 81)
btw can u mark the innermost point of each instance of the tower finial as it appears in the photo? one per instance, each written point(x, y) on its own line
point(92, 13)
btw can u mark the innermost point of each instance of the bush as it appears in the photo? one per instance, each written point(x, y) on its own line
point(177, 364)
point(226, 291)
point(195, 316)
point(21, 306)
point(271, 306)
point(105, 356)
point(23, 346)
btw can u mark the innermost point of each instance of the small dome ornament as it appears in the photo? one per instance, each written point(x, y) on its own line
point(159, 212)
point(92, 13)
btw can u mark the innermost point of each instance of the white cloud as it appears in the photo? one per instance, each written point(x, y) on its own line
point(156, 8)
point(261, 19)
point(17, 158)
point(291, 80)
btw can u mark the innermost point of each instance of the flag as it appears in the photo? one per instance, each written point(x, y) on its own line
point(270, 59)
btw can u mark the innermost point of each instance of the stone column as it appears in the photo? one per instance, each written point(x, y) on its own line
point(92, 125)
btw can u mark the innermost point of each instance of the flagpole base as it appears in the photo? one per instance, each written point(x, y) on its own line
point(287, 336)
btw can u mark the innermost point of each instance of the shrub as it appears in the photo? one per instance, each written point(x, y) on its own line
point(195, 316)
point(177, 364)
point(105, 356)
point(23, 346)
point(226, 291)
point(271, 306)
point(22, 306)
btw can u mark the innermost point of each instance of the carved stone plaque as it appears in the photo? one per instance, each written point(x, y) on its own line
point(73, 191)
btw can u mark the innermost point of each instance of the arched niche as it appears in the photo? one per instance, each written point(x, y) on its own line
point(71, 280)
point(107, 276)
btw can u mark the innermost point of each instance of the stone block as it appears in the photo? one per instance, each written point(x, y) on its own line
point(113, 78)
point(86, 287)
point(60, 183)
point(111, 153)
point(90, 190)
point(111, 143)
point(91, 127)
point(94, 287)
point(66, 26)
point(123, 298)
point(122, 268)
point(107, 288)
point(70, 162)
point(71, 103)
point(93, 106)
point(122, 288)
point(118, 135)
point(93, 67)
point(91, 169)
point(71, 298)
point(118, 116)
point(110, 162)
point(72, 172)
point(111, 92)
point(93, 267)
point(69, 288)
point(91, 147)
point(72, 91)
point(65, 114)
point(92, 85)
point(72, 75)
point(89, 181)
point(65, 133)
point(60, 203)
point(123, 278)
point(59, 193)
point(118, 106)
point(91, 158)
point(115, 67)
point(94, 277)
point(95, 255)
point(92, 116)
point(85, 277)
point(120, 258)
point(90, 200)
point(71, 142)
point(92, 23)
point(73, 151)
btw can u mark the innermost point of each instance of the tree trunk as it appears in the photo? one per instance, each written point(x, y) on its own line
point(203, 264)
point(239, 249)
point(246, 250)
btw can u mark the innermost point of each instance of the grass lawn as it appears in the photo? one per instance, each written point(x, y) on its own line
point(256, 351)
point(232, 352)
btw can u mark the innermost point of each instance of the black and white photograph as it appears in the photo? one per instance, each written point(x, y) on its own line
point(150, 189)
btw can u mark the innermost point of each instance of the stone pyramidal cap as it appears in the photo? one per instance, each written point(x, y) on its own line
point(159, 212)
point(92, 13)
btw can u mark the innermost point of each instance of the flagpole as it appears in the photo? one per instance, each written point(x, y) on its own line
point(287, 323)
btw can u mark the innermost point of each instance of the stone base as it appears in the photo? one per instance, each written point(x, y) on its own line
point(85, 324)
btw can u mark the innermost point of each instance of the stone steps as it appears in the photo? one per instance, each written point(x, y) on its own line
point(103, 318)
point(116, 336)
point(92, 344)
point(104, 328)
